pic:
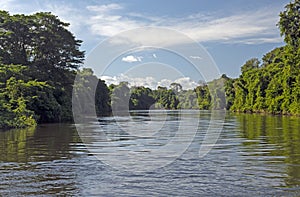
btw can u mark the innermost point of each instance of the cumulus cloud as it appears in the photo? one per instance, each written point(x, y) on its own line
point(131, 58)
point(150, 82)
point(164, 83)
point(110, 80)
point(187, 83)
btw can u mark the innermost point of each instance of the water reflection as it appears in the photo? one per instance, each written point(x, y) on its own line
point(39, 161)
point(44, 143)
point(14, 146)
point(275, 139)
point(255, 154)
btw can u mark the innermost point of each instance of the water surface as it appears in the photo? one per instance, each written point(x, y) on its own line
point(254, 155)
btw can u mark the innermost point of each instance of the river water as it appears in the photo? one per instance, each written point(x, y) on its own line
point(252, 155)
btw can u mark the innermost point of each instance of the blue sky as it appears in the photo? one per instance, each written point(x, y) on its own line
point(232, 31)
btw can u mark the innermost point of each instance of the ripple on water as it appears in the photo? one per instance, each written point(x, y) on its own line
point(254, 156)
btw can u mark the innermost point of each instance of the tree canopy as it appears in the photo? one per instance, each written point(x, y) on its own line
point(40, 57)
point(289, 23)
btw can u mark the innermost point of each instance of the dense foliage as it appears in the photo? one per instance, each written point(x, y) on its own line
point(13, 97)
point(39, 59)
point(269, 86)
point(273, 86)
point(142, 98)
point(90, 94)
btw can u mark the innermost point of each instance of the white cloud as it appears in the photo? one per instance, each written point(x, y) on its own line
point(196, 57)
point(94, 21)
point(131, 58)
point(105, 8)
point(164, 83)
point(150, 82)
point(5, 5)
point(259, 26)
point(15, 7)
point(186, 83)
point(66, 12)
point(110, 80)
point(258, 40)
point(104, 22)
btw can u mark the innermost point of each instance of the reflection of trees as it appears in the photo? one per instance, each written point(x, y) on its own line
point(44, 143)
point(283, 132)
point(13, 143)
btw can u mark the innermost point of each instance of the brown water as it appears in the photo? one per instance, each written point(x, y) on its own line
point(254, 155)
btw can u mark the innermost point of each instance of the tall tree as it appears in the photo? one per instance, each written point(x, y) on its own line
point(90, 94)
point(42, 43)
point(289, 23)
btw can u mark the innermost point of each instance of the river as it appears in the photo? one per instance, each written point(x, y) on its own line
point(252, 155)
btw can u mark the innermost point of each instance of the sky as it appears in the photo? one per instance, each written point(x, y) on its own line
point(228, 34)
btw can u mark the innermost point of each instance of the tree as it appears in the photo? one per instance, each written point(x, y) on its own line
point(289, 23)
point(141, 98)
point(204, 97)
point(16, 94)
point(42, 43)
point(102, 99)
point(187, 99)
point(176, 87)
point(91, 94)
point(229, 92)
point(165, 98)
point(250, 64)
point(120, 96)
point(274, 86)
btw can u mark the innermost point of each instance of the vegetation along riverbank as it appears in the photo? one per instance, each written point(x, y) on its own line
point(39, 59)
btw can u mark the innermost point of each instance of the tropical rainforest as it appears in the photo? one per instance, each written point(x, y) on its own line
point(40, 58)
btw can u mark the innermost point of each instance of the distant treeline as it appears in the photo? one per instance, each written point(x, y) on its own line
point(121, 97)
point(39, 59)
